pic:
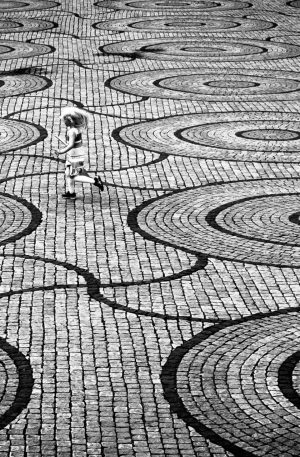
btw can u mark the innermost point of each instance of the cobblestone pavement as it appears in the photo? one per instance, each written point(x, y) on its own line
point(161, 316)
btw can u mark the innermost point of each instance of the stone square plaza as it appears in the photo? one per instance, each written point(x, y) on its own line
point(160, 316)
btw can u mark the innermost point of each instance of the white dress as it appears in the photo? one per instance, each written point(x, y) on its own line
point(75, 156)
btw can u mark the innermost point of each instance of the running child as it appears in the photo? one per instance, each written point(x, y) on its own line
point(76, 122)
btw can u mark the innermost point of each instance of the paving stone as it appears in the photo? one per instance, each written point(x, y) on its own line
point(159, 317)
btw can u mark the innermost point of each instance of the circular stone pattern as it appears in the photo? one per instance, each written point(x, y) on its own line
point(18, 134)
point(225, 383)
point(24, 25)
point(18, 218)
point(294, 4)
point(165, 5)
point(16, 383)
point(225, 136)
point(270, 134)
point(179, 24)
point(249, 222)
point(18, 49)
point(12, 85)
point(203, 84)
point(12, 5)
point(205, 50)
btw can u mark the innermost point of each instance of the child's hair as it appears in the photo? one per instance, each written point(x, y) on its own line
point(76, 116)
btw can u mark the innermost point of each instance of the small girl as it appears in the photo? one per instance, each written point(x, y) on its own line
point(76, 122)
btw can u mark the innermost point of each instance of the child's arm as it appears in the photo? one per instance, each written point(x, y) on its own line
point(70, 145)
point(56, 151)
point(59, 139)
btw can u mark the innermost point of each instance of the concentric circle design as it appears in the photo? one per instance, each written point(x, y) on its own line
point(18, 218)
point(242, 221)
point(24, 25)
point(165, 5)
point(294, 4)
point(12, 5)
point(179, 24)
point(16, 383)
point(270, 134)
point(277, 134)
point(206, 50)
point(288, 378)
point(18, 134)
point(253, 136)
point(12, 85)
point(18, 49)
point(205, 85)
point(225, 383)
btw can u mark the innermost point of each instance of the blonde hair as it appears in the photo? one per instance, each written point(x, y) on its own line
point(78, 117)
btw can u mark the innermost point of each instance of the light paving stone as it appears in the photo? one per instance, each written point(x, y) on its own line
point(159, 317)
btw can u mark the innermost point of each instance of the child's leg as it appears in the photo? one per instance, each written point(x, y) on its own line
point(84, 177)
point(70, 182)
point(81, 178)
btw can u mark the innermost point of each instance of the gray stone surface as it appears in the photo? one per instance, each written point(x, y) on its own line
point(159, 317)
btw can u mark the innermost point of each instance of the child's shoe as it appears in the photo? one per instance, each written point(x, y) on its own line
point(98, 183)
point(69, 195)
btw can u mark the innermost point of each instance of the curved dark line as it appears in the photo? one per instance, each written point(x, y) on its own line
point(25, 385)
point(211, 216)
point(285, 379)
point(92, 171)
point(161, 158)
point(56, 159)
point(107, 7)
point(292, 2)
point(51, 50)
point(19, 24)
point(243, 133)
point(133, 224)
point(140, 53)
point(43, 134)
point(9, 178)
point(152, 314)
point(196, 71)
point(201, 10)
point(156, 189)
point(169, 381)
point(4, 385)
point(104, 64)
point(131, 55)
point(48, 84)
point(142, 99)
point(116, 135)
point(22, 6)
point(78, 104)
point(71, 13)
point(79, 64)
point(189, 271)
point(21, 71)
point(280, 12)
point(192, 29)
point(76, 37)
point(294, 218)
point(178, 134)
point(54, 25)
point(22, 10)
point(93, 285)
point(292, 34)
point(41, 288)
point(36, 219)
